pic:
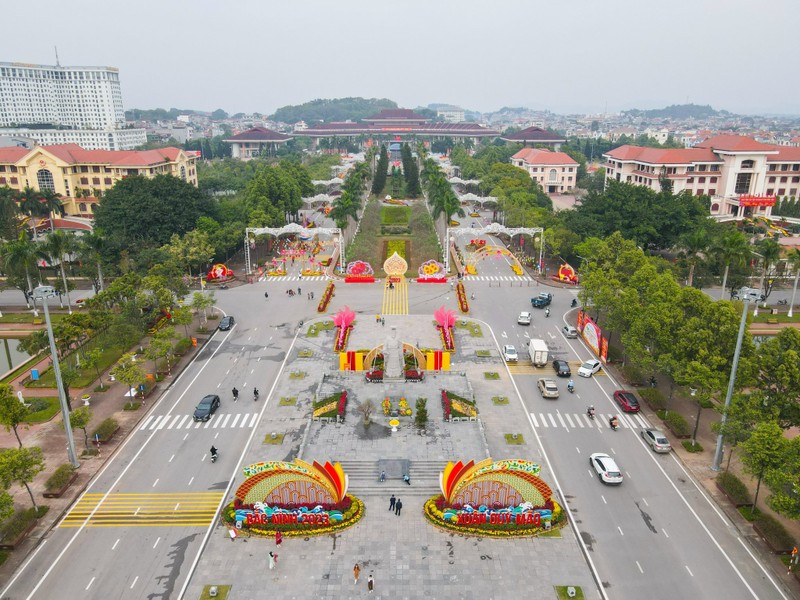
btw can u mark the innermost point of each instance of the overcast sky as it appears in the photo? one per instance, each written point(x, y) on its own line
point(561, 55)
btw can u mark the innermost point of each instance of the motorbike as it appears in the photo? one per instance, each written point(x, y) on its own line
point(255, 395)
point(574, 303)
point(547, 312)
point(570, 388)
point(214, 456)
point(783, 302)
point(614, 424)
point(590, 412)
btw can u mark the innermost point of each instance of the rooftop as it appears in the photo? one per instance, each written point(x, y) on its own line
point(534, 134)
point(259, 134)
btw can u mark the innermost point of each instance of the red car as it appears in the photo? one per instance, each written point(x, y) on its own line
point(627, 401)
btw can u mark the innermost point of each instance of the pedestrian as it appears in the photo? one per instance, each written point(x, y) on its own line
point(392, 500)
point(299, 291)
point(273, 560)
point(407, 479)
point(377, 318)
point(793, 560)
point(266, 294)
point(398, 506)
point(383, 321)
point(278, 538)
point(370, 583)
point(356, 573)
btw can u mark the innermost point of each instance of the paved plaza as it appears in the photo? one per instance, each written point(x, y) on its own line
point(407, 556)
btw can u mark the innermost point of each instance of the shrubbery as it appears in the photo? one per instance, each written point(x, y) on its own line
point(105, 430)
point(19, 522)
point(734, 487)
point(675, 422)
point(653, 397)
point(59, 478)
point(773, 532)
point(182, 345)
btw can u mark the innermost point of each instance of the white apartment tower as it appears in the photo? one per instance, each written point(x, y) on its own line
point(82, 104)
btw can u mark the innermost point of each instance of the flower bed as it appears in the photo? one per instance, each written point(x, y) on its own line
point(326, 297)
point(446, 406)
point(431, 280)
point(462, 298)
point(342, 405)
point(413, 375)
point(374, 376)
point(329, 407)
point(459, 406)
point(359, 279)
point(105, 431)
point(386, 405)
point(403, 408)
point(517, 269)
point(446, 334)
point(59, 481)
point(341, 339)
point(471, 270)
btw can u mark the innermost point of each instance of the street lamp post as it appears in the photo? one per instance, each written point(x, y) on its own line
point(43, 292)
point(731, 381)
point(761, 284)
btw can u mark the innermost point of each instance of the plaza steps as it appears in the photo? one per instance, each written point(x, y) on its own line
point(364, 476)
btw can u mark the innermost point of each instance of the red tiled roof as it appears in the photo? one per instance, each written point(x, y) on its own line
point(785, 154)
point(67, 224)
point(735, 143)
point(662, 156)
point(325, 129)
point(534, 156)
point(12, 154)
point(74, 154)
point(534, 134)
point(395, 114)
point(259, 134)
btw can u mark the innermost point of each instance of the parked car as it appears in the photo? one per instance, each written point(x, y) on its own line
point(226, 323)
point(627, 401)
point(750, 294)
point(570, 332)
point(589, 368)
point(524, 318)
point(542, 300)
point(561, 368)
point(207, 407)
point(657, 440)
point(509, 353)
point(548, 388)
point(374, 376)
point(606, 468)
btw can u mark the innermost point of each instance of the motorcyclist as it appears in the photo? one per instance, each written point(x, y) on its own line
point(235, 394)
point(613, 422)
point(574, 302)
point(570, 385)
point(255, 393)
point(546, 312)
point(590, 411)
point(213, 452)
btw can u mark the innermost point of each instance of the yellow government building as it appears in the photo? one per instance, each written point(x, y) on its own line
point(81, 176)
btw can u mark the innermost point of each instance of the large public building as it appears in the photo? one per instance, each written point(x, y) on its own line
point(52, 104)
point(743, 177)
point(81, 176)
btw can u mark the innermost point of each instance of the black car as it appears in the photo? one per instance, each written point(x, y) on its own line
point(226, 323)
point(207, 407)
point(561, 368)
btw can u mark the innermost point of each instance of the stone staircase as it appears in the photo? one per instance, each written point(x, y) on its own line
point(364, 477)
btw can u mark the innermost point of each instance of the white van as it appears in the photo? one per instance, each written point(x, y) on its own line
point(749, 294)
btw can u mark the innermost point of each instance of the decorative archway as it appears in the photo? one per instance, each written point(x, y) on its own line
point(485, 252)
point(292, 228)
point(493, 228)
point(369, 359)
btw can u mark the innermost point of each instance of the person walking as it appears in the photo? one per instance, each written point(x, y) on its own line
point(278, 539)
point(266, 295)
point(377, 318)
point(356, 573)
point(370, 583)
point(392, 501)
point(398, 506)
point(273, 560)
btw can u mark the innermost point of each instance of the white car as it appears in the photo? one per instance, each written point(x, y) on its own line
point(509, 353)
point(606, 468)
point(570, 332)
point(589, 368)
point(524, 318)
point(548, 388)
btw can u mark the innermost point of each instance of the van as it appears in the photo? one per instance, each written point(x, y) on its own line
point(538, 351)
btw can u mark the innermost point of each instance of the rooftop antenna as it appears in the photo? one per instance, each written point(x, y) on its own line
point(58, 64)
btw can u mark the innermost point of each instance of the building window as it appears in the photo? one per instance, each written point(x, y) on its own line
point(2, 180)
point(553, 176)
point(2, 168)
point(107, 181)
point(84, 181)
point(690, 169)
point(701, 180)
point(783, 179)
point(700, 192)
point(743, 183)
point(793, 192)
point(183, 172)
point(84, 169)
point(712, 192)
point(770, 192)
point(45, 180)
point(701, 168)
point(82, 207)
point(784, 167)
point(781, 191)
point(690, 180)
point(95, 181)
point(771, 180)
point(14, 181)
point(715, 168)
point(712, 180)
point(748, 164)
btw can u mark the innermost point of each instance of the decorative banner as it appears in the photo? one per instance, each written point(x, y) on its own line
point(592, 334)
point(359, 268)
point(432, 270)
point(748, 200)
point(219, 271)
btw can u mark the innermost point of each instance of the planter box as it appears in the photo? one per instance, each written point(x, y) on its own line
point(773, 548)
point(431, 280)
point(20, 538)
point(731, 500)
point(60, 492)
point(359, 280)
point(108, 439)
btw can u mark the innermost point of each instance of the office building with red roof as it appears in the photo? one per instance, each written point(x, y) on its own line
point(556, 172)
point(742, 177)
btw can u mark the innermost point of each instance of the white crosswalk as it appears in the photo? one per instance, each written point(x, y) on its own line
point(280, 278)
point(217, 421)
point(496, 278)
point(582, 420)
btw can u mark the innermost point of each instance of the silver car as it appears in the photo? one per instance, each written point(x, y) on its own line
point(657, 440)
point(548, 388)
point(570, 332)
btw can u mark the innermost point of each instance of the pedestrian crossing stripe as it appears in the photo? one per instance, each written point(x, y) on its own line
point(524, 367)
point(496, 278)
point(174, 509)
point(217, 421)
point(582, 421)
point(278, 279)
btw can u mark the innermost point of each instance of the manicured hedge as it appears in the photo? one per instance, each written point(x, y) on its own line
point(653, 397)
point(106, 429)
point(676, 423)
point(19, 522)
point(183, 345)
point(734, 487)
point(774, 533)
point(59, 478)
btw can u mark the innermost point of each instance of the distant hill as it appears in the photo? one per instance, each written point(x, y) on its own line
point(336, 109)
point(679, 111)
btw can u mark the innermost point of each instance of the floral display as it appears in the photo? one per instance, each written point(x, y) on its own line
point(462, 298)
point(342, 405)
point(343, 321)
point(219, 271)
point(326, 297)
point(433, 269)
point(404, 408)
point(359, 269)
point(387, 406)
point(446, 319)
point(517, 269)
point(464, 408)
point(456, 406)
point(471, 270)
point(325, 409)
point(567, 274)
point(445, 405)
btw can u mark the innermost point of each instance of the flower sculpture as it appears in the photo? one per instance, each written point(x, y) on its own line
point(446, 319)
point(432, 269)
point(343, 320)
point(219, 271)
point(326, 297)
point(462, 298)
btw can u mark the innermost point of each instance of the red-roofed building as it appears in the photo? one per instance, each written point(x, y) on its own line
point(556, 172)
point(81, 176)
point(742, 176)
point(535, 135)
point(258, 141)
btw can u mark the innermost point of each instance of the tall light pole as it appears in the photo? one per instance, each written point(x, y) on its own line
point(760, 285)
point(43, 292)
point(731, 382)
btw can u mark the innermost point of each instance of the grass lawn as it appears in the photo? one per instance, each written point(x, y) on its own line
point(87, 376)
point(483, 353)
point(222, 592)
point(395, 215)
point(491, 375)
point(499, 400)
point(27, 317)
point(516, 441)
point(561, 593)
point(47, 412)
point(291, 401)
point(763, 316)
point(276, 441)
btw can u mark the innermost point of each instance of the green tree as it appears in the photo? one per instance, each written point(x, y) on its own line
point(130, 372)
point(421, 414)
point(203, 302)
point(783, 482)
point(694, 245)
point(770, 252)
point(743, 414)
point(20, 257)
point(9, 214)
point(93, 247)
point(763, 451)
point(12, 411)
point(778, 367)
point(192, 251)
point(793, 257)
point(182, 316)
point(30, 203)
point(381, 171)
point(80, 419)
point(57, 246)
point(731, 248)
point(21, 465)
point(91, 360)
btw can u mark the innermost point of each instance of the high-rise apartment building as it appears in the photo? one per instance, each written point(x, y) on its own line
point(83, 105)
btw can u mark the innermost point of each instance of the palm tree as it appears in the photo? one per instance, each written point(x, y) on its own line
point(30, 202)
point(695, 244)
point(770, 253)
point(8, 213)
point(732, 248)
point(794, 259)
point(22, 255)
point(51, 202)
point(57, 246)
point(92, 247)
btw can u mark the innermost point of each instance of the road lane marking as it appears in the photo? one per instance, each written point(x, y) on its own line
point(690, 571)
point(163, 422)
point(544, 421)
point(569, 420)
point(114, 547)
point(217, 423)
point(155, 482)
point(180, 425)
point(171, 458)
point(563, 424)
point(172, 423)
point(254, 419)
point(216, 435)
point(552, 420)
point(91, 581)
point(135, 579)
point(191, 480)
point(640, 567)
point(235, 418)
point(603, 498)
point(176, 506)
point(664, 531)
point(228, 372)
point(252, 371)
point(645, 502)
point(227, 418)
point(186, 436)
point(146, 422)
point(763, 570)
point(578, 449)
point(208, 423)
point(158, 539)
point(620, 530)
point(155, 422)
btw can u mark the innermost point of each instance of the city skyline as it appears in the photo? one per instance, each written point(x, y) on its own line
point(580, 58)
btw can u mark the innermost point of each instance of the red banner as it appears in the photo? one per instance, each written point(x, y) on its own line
point(746, 200)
